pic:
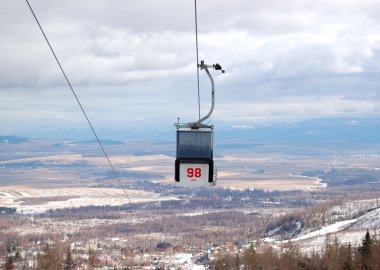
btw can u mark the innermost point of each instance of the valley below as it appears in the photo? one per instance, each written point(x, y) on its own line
point(266, 198)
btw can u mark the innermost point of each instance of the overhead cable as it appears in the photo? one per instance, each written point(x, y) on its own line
point(196, 48)
point(80, 105)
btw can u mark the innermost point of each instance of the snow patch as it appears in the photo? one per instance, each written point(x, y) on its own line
point(336, 227)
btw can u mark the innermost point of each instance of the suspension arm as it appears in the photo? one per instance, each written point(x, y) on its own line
point(206, 67)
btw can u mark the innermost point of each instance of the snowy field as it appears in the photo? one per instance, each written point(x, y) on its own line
point(32, 200)
point(347, 231)
point(342, 228)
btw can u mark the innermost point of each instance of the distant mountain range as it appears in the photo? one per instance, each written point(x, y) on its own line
point(4, 140)
point(358, 130)
point(353, 130)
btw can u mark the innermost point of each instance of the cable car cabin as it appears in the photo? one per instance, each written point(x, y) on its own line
point(194, 165)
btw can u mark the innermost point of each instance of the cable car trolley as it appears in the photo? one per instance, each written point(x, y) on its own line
point(194, 164)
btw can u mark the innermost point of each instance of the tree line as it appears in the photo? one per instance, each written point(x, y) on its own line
point(335, 256)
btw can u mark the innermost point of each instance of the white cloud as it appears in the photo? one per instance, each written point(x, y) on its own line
point(136, 58)
point(296, 109)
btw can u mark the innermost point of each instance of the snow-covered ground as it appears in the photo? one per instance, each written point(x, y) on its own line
point(318, 182)
point(348, 231)
point(45, 199)
point(369, 220)
point(342, 227)
point(333, 228)
point(183, 260)
point(318, 244)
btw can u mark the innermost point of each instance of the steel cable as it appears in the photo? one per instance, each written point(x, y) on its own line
point(196, 46)
point(80, 105)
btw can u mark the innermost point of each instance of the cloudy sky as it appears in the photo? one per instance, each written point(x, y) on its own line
point(132, 63)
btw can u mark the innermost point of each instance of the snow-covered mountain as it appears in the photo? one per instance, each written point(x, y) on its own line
point(345, 223)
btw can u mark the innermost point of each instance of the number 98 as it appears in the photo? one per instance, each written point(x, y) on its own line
point(191, 172)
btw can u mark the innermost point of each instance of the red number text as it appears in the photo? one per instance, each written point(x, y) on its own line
point(194, 173)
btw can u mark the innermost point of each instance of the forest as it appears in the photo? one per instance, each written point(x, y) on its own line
point(334, 256)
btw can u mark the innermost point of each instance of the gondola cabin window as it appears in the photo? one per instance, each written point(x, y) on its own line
point(194, 144)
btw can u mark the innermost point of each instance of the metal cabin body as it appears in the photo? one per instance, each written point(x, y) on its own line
point(194, 165)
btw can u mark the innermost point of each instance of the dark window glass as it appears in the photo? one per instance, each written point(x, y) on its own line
point(194, 144)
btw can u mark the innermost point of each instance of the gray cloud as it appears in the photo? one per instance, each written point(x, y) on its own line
point(134, 60)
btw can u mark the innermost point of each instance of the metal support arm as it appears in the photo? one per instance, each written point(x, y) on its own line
point(198, 124)
point(212, 97)
point(206, 67)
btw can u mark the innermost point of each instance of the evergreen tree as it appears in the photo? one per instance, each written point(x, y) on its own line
point(365, 251)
